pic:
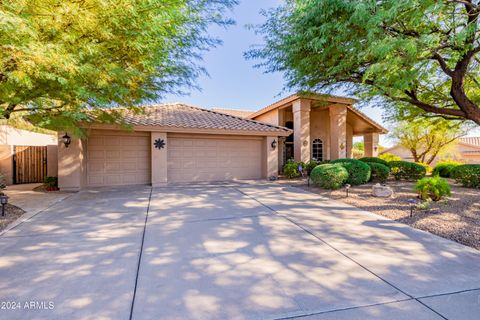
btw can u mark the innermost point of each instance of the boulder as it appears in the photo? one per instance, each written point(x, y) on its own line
point(381, 191)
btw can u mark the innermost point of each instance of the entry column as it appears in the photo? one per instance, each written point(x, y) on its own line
point(301, 130)
point(338, 131)
point(159, 147)
point(370, 141)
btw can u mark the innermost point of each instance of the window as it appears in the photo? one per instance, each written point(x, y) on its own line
point(317, 149)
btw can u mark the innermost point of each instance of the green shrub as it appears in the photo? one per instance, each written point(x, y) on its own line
point(374, 159)
point(432, 188)
point(290, 169)
point(428, 169)
point(406, 170)
point(379, 172)
point(329, 176)
point(389, 157)
point(444, 168)
point(467, 174)
point(310, 165)
point(358, 171)
point(50, 182)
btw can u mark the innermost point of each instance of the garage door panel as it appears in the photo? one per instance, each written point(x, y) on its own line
point(118, 160)
point(207, 159)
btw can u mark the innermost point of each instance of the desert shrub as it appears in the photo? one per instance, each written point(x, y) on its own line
point(290, 169)
point(406, 170)
point(50, 182)
point(389, 157)
point(310, 165)
point(329, 176)
point(428, 169)
point(467, 174)
point(358, 171)
point(374, 159)
point(444, 168)
point(432, 188)
point(379, 172)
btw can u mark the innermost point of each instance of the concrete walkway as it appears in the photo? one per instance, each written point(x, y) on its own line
point(238, 251)
point(32, 202)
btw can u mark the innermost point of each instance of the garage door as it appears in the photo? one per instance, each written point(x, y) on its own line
point(213, 159)
point(115, 159)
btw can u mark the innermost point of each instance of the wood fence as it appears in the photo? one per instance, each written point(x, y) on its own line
point(30, 164)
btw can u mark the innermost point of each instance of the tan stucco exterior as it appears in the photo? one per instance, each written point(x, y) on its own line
point(164, 166)
point(332, 120)
point(202, 154)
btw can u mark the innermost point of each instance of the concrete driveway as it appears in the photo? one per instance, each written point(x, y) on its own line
point(236, 251)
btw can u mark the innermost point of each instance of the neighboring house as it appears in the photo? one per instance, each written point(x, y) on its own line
point(39, 151)
point(174, 143)
point(465, 150)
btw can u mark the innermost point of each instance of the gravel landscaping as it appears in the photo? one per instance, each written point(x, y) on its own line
point(12, 213)
point(457, 218)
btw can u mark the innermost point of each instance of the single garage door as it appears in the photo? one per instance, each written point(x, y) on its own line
point(118, 159)
point(213, 159)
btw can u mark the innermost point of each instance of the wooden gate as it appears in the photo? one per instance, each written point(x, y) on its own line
point(30, 164)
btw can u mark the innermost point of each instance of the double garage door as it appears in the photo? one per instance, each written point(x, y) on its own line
point(125, 159)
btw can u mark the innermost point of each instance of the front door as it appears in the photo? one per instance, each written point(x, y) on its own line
point(288, 152)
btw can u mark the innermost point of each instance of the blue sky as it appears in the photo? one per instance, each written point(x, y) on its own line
point(233, 82)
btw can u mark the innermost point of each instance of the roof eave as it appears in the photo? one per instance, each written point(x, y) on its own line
point(277, 133)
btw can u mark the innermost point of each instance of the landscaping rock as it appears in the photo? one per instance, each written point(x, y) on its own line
point(382, 191)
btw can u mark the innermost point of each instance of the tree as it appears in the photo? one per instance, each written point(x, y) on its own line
point(426, 138)
point(421, 56)
point(61, 58)
point(358, 149)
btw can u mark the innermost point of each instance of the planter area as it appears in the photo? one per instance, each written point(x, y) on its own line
point(12, 213)
point(456, 218)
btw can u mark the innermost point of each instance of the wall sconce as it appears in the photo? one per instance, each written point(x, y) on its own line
point(274, 144)
point(342, 146)
point(375, 148)
point(66, 140)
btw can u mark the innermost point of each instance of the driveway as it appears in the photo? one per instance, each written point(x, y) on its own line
point(233, 251)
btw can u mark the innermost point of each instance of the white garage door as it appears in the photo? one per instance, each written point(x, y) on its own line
point(213, 159)
point(118, 159)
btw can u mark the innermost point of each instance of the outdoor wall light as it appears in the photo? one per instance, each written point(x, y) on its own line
point(66, 140)
point(342, 146)
point(3, 202)
point(274, 144)
point(375, 148)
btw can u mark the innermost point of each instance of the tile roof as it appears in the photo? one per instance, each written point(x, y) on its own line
point(475, 141)
point(179, 115)
point(234, 112)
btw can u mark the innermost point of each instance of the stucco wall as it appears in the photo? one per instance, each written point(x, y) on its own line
point(270, 117)
point(18, 137)
point(320, 129)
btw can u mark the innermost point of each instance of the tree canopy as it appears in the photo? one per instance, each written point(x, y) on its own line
point(420, 55)
point(426, 138)
point(60, 58)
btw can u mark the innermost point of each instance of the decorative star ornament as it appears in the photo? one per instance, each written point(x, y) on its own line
point(159, 144)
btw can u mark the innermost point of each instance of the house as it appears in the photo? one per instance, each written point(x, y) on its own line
point(37, 149)
point(466, 150)
point(178, 143)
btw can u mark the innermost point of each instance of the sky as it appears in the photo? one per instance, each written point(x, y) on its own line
point(233, 82)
